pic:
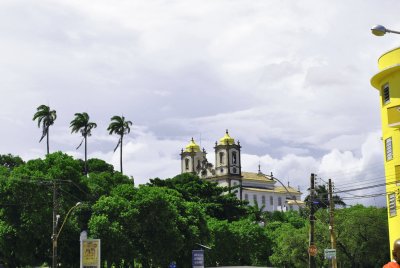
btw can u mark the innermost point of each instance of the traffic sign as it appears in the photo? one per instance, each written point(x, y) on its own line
point(312, 250)
point(330, 253)
point(198, 258)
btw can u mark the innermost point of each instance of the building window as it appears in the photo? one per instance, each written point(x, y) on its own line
point(246, 197)
point(263, 200)
point(279, 201)
point(221, 158)
point(255, 198)
point(198, 165)
point(234, 158)
point(271, 200)
point(389, 150)
point(186, 164)
point(392, 204)
point(385, 94)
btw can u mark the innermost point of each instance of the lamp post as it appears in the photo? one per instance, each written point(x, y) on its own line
point(380, 30)
point(56, 234)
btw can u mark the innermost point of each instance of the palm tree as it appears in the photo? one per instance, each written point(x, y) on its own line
point(81, 123)
point(321, 198)
point(46, 118)
point(120, 127)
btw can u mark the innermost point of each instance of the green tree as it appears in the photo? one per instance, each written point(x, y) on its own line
point(215, 199)
point(10, 162)
point(360, 230)
point(159, 238)
point(27, 206)
point(46, 118)
point(81, 123)
point(290, 246)
point(112, 222)
point(120, 127)
point(242, 242)
point(99, 165)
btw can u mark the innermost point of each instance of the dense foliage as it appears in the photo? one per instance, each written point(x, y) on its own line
point(152, 225)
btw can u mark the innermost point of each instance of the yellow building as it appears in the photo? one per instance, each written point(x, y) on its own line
point(387, 81)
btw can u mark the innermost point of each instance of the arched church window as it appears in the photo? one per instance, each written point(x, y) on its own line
point(198, 164)
point(234, 155)
point(221, 158)
point(186, 164)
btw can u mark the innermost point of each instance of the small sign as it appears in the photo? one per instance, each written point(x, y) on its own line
point(198, 258)
point(91, 253)
point(330, 253)
point(312, 250)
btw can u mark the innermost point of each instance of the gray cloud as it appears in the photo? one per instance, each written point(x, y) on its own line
point(289, 80)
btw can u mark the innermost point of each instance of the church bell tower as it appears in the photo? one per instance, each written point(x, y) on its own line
point(227, 157)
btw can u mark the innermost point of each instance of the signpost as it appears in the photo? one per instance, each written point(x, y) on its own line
point(198, 258)
point(330, 253)
point(90, 253)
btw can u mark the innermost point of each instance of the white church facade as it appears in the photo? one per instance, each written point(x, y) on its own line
point(254, 187)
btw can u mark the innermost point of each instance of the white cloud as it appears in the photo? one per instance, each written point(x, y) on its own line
point(289, 81)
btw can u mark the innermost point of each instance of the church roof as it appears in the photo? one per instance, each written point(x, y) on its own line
point(278, 189)
point(262, 178)
point(226, 140)
point(192, 147)
point(297, 202)
point(283, 190)
point(253, 176)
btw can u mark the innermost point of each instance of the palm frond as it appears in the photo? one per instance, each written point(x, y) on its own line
point(119, 143)
point(44, 133)
point(80, 144)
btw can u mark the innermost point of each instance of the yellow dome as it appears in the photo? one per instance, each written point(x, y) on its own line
point(192, 147)
point(226, 140)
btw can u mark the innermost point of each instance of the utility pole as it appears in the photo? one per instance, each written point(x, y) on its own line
point(331, 223)
point(312, 249)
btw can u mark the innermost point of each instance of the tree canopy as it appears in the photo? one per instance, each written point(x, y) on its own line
point(155, 224)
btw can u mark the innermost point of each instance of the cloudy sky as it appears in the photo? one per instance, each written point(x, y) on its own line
point(289, 79)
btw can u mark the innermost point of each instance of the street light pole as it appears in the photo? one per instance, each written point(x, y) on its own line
point(57, 234)
point(380, 30)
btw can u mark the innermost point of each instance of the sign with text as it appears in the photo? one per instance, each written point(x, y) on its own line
point(90, 253)
point(198, 258)
point(330, 253)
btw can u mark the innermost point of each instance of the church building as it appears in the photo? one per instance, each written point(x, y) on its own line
point(254, 187)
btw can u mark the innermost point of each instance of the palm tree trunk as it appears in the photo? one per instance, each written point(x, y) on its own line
point(47, 138)
point(86, 168)
point(120, 153)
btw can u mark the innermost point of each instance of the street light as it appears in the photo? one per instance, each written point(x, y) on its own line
point(55, 235)
point(380, 30)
